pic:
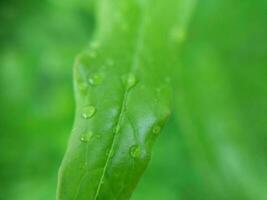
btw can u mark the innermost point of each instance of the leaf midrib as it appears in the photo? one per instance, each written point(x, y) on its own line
point(135, 64)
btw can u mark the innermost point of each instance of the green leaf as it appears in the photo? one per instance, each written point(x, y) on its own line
point(123, 95)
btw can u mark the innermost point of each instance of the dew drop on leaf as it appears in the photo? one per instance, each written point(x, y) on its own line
point(98, 136)
point(88, 112)
point(178, 35)
point(110, 153)
point(131, 80)
point(85, 137)
point(135, 151)
point(116, 129)
point(95, 79)
point(156, 129)
point(82, 87)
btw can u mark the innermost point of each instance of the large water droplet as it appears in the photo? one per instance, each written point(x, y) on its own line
point(156, 129)
point(85, 137)
point(88, 112)
point(95, 79)
point(135, 151)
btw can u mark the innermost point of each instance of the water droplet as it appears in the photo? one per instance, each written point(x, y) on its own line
point(168, 79)
point(95, 79)
point(98, 136)
point(82, 167)
point(85, 137)
point(110, 153)
point(156, 129)
point(178, 35)
point(82, 87)
point(116, 129)
point(135, 151)
point(88, 112)
point(131, 80)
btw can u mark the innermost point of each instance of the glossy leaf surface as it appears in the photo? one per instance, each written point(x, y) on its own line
point(123, 95)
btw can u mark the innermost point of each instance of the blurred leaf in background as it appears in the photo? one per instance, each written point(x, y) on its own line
point(216, 144)
point(38, 43)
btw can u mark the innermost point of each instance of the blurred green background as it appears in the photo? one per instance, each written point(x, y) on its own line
point(215, 145)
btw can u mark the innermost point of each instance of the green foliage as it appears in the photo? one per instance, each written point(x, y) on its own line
point(214, 53)
point(122, 87)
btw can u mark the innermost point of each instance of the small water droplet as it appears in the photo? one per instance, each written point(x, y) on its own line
point(95, 79)
point(135, 151)
point(85, 137)
point(98, 136)
point(178, 35)
point(82, 86)
point(82, 167)
point(156, 129)
point(88, 112)
point(168, 79)
point(131, 80)
point(110, 153)
point(116, 129)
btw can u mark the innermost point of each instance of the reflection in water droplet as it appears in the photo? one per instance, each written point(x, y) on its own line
point(85, 137)
point(135, 151)
point(88, 112)
point(156, 129)
point(95, 79)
